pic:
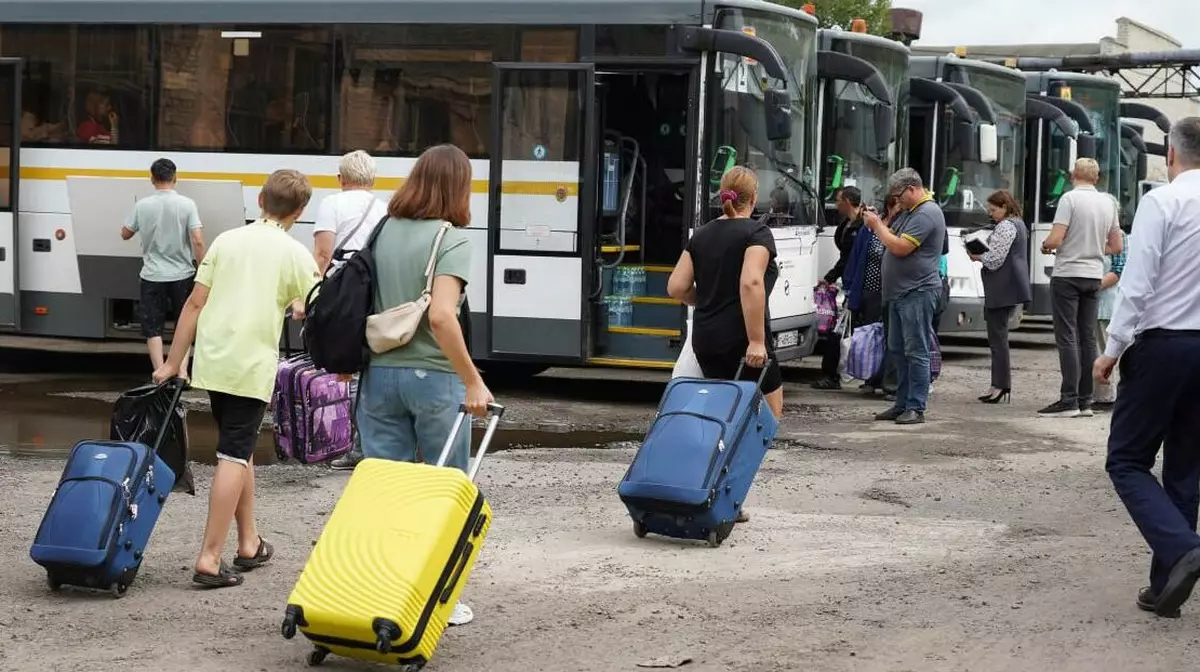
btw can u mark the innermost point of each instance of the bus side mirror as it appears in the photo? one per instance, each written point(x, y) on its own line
point(778, 109)
point(1087, 147)
point(1143, 168)
point(989, 148)
point(885, 127)
point(968, 145)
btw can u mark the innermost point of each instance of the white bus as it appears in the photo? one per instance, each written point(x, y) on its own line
point(597, 129)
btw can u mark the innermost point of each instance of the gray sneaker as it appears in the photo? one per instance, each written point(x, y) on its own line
point(346, 462)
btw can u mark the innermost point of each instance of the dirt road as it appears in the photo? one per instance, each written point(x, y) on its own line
point(985, 540)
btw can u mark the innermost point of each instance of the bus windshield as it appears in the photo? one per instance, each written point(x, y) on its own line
point(737, 128)
point(1103, 106)
point(854, 156)
point(964, 192)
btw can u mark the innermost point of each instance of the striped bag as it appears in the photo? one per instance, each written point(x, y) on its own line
point(935, 356)
point(866, 351)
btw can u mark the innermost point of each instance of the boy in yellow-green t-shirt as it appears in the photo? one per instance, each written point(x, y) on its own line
point(235, 315)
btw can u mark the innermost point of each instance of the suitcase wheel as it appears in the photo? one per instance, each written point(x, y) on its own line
point(317, 656)
point(639, 529)
point(53, 582)
point(117, 590)
point(714, 539)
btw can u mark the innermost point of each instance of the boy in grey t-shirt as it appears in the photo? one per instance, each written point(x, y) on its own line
point(1086, 227)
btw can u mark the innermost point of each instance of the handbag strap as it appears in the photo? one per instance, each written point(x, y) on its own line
point(361, 220)
point(433, 255)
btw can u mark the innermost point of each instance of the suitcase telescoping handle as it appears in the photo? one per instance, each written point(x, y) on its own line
point(495, 411)
point(180, 385)
point(761, 377)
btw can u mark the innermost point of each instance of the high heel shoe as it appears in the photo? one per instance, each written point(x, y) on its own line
point(1002, 396)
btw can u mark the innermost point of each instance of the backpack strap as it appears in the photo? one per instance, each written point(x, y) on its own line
point(433, 255)
point(339, 252)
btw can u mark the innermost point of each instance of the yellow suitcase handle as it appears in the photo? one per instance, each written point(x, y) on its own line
point(495, 411)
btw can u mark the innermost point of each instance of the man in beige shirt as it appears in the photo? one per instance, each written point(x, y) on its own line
point(1086, 228)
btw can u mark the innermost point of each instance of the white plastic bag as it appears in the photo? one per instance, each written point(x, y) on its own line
point(687, 366)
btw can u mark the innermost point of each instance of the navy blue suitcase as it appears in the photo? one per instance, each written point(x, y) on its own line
point(108, 499)
point(694, 469)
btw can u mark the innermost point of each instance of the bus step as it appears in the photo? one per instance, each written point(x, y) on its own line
point(646, 331)
point(632, 363)
point(657, 312)
point(614, 249)
point(656, 281)
point(643, 343)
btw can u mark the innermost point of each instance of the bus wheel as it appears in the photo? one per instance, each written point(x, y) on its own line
point(511, 370)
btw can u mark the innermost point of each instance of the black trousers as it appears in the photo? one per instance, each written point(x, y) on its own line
point(1158, 407)
point(1076, 306)
point(997, 335)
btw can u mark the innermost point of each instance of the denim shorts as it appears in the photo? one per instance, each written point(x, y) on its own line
point(407, 414)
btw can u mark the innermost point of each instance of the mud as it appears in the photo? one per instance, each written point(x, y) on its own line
point(986, 540)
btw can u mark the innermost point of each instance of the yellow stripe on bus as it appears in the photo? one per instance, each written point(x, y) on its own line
point(258, 179)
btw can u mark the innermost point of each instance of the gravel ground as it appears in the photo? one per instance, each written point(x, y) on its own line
point(984, 540)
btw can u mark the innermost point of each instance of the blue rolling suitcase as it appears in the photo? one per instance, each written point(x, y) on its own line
point(696, 465)
point(96, 529)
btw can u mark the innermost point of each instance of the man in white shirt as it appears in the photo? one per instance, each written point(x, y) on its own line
point(346, 221)
point(1086, 228)
point(1155, 332)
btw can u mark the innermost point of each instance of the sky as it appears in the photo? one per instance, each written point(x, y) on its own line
point(954, 22)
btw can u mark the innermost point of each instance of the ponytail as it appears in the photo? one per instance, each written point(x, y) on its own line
point(738, 187)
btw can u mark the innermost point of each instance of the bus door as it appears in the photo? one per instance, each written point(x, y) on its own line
point(541, 211)
point(10, 148)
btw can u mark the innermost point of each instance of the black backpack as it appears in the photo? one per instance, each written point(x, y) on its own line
point(336, 311)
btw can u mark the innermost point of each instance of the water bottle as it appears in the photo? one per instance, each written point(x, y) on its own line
point(613, 305)
point(638, 287)
point(626, 312)
point(621, 281)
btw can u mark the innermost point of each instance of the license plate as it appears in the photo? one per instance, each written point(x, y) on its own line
point(787, 339)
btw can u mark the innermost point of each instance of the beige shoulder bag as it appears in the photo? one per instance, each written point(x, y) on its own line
point(395, 327)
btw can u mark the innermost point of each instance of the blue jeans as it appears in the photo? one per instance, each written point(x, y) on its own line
point(403, 413)
point(910, 319)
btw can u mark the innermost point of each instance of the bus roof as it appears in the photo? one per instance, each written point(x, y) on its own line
point(275, 12)
point(937, 62)
point(1041, 78)
point(863, 38)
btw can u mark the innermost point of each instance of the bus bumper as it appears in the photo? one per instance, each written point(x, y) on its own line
point(795, 337)
point(962, 314)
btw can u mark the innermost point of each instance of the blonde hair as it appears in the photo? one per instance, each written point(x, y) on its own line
point(357, 169)
point(738, 186)
point(1087, 170)
point(285, 193)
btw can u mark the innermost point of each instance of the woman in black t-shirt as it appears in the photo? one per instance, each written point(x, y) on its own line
point(727, 271)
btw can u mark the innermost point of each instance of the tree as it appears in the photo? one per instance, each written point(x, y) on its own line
point(841, 12)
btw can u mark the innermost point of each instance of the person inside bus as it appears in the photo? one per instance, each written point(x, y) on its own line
point(345, 221)
point(250, 277)
point(727, 271)
point(100, 126)
point(172, 237)
point(36, 101)
point(409, 397)
point(1005, 286)
point(849, 206)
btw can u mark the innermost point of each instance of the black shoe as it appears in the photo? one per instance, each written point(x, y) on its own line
point(1003, 396)
point(827, 384)
point(1147, 599)
point(889, 396)
point(1060, 409)
point(911, 418)
point(1102, 406)
point(889, 415)
point(1180, 583)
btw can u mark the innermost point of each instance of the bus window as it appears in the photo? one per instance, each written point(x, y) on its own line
point(250, 91)
point(405, 88)
point(83, 85)
point(626, 41)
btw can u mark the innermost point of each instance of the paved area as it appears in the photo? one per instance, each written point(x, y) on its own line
point(985, 540)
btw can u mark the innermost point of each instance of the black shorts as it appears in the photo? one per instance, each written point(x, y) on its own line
point(725, 365)
point(239, 420)
point(162, 301)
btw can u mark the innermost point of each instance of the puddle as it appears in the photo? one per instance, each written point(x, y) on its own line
point(37, 426)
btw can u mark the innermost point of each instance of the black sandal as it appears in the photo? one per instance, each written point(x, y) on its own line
point(224, 578)
point(827, 384)
point(261, 557)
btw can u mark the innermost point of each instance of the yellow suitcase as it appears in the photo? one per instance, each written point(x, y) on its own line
point(393, 558)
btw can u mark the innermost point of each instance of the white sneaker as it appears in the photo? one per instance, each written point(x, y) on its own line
point(462, 615)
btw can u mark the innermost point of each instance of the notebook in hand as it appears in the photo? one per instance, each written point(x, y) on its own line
point(976, 243)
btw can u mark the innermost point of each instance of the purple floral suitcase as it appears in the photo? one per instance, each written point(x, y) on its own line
point(311, 413)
